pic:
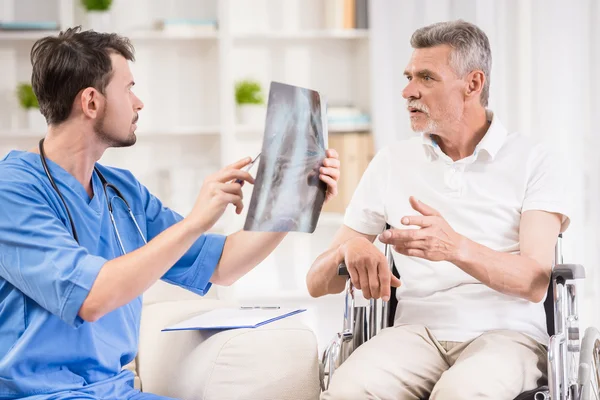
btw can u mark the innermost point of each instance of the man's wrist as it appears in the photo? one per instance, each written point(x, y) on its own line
point(340, 254)
point(192, 228)
point(463, 251)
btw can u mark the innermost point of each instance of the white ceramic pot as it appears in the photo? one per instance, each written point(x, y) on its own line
point(36, 121)
point(98, 21)
point(252, 114)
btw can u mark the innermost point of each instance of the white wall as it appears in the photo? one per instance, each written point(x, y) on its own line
point(544, 83)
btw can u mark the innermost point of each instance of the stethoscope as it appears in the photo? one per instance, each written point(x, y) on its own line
point(105, 186)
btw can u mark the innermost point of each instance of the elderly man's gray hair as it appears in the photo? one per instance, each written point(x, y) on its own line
point(471, 48)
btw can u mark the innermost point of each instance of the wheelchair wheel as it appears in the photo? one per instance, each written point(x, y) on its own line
point(589, 365)
point(329, 361)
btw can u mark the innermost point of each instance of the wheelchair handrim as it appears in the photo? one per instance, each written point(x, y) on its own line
point(590, 358)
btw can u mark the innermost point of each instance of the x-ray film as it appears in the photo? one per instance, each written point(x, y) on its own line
point(288, 194)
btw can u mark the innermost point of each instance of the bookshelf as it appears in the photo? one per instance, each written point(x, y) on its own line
point(186, 79)
point(316, 34)
point(157, 35)
point(181, 131)
point(24, 36)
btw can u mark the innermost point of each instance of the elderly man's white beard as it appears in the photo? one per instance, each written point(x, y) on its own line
point(431, 126)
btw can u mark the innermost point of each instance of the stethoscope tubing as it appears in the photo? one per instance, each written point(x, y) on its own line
point(105, 186)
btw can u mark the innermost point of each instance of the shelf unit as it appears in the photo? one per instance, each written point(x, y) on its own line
point(20, 134)
point(323, 34)
point(158, 35)
point(16, 36)
point(258, 130)
point(181, 131)
point(188, 127)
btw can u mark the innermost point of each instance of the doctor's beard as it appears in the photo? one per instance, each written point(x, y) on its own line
point(113, 140)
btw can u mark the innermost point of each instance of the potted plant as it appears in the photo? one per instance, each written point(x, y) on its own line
point(250, 101)
point(35, 120)
point(98, 17)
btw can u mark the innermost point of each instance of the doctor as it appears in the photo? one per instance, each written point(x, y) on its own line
point(73, 255)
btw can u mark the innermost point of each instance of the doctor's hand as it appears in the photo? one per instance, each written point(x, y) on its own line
point(218, 191)
point(434, 240)
point(330, 173)
point(368, 268)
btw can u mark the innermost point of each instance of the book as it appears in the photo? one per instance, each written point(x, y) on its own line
point(288, 194)
point(334, 14)
point(347, 119)
point(28, 25)
point(349, 14)
point(362, 14)
point(346, 14)
point(183, 26)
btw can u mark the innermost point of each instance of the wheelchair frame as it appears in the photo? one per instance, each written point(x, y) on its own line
point(573, 365)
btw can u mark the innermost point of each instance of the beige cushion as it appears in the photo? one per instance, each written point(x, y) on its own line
point(277, 361)
point(160, 352)
point(161, 292)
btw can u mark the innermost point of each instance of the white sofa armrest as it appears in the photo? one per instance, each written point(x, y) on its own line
point(160, 353)
point(277, 361)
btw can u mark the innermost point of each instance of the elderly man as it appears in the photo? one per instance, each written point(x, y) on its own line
point(475, 213)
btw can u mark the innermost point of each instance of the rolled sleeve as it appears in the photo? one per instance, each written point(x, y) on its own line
point(195, 276)
point(79, 290)
point(39, 256)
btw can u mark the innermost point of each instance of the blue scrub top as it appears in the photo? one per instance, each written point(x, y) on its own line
point(45, 275)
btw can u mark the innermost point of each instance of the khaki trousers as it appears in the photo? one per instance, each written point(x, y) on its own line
point(406, 362)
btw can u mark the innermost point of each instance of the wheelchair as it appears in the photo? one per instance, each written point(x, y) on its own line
point(573, 364)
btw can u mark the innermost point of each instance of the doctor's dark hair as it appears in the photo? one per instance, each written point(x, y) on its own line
point(470, 48)
point(66, 64)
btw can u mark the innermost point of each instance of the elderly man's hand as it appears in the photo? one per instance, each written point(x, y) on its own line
point(368, 268)
point(435, 240)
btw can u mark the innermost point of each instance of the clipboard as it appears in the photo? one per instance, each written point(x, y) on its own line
point(234, 318)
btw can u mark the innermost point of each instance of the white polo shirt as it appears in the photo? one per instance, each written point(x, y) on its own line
point(482, 197)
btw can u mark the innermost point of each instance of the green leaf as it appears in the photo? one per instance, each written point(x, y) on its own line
point(26, 96)
point(249, 92)
point(96, 5)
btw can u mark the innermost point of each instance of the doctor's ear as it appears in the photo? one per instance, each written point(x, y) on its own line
point(92, 101)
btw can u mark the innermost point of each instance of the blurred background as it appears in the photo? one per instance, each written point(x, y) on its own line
point(203, 69)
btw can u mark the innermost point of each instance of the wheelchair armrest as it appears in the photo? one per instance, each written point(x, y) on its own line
point(568, 271)
point(564, 271)
point(343, 270)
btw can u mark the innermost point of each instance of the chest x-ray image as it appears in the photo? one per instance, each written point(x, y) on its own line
point(288, 194)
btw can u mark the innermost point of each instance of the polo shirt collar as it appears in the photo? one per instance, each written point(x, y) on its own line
point(491, 143)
